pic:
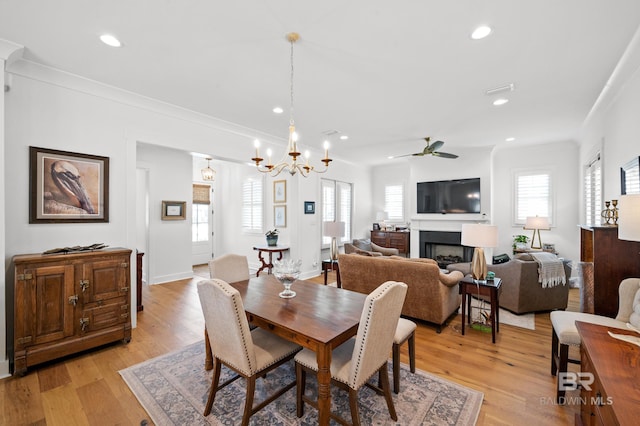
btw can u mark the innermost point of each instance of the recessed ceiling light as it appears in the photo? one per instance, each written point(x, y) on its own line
point(278, 110)
point(510, 139)
point(344, 137)
point(481, 32)
point(500, 101)
point(110, 40)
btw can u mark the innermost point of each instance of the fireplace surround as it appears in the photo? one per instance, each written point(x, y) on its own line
point(444, 247)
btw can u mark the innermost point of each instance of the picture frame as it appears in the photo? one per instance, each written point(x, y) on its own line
point(279, 216)
point(376, 226)
point(309, 207)
point(174, 210)
point(67, 187)
point(280, 191)
point(630, 177)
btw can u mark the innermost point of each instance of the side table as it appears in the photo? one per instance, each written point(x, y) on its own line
point(331, 265)
point(269, 249)
point(469, 287)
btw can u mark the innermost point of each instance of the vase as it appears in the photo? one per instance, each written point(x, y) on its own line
point(272, 241)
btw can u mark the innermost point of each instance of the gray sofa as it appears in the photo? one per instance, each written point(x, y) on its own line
point(521, 292)
point(367, 248)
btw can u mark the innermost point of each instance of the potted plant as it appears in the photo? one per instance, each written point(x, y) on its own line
point(272, 237)
point(520, 242)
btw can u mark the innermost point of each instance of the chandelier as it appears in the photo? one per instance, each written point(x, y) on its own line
point(291, 164)
point(208, 173)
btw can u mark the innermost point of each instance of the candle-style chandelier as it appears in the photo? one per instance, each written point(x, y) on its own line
point(291, 164)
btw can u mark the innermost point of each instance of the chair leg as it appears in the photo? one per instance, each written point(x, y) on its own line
point(214, 387)
point(396, 368)
point(554, 352)
point(248, 403)
point(353, 404)
point(562, 368)
point(301, 383)
point(412, 352)
point(387, 392)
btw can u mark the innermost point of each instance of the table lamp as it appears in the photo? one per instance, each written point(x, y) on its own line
point(629, 217)
point(537, 223)
point(334, 230)
point(479, 236)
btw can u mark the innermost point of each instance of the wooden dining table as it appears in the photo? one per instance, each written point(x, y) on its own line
point(319, 318)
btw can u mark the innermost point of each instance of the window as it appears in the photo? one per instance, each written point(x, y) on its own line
point(533, 196)
point(200, 213)
point(336, 206)
point(593, 191)
point(394, 202)
point(252, 202)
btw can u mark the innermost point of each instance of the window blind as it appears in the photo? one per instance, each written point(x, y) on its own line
point(394, 202)
point(252, 201)
point(593, 191)
point(532, 196)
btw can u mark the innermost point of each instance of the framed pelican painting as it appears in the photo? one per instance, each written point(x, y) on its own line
point(67, 187)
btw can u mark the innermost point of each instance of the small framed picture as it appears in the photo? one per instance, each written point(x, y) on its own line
point(174, 210)
point(376, 226)
point(280, 216)
point(280, 191)
point(309, 207)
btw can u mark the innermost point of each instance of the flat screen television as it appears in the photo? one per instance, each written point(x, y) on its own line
point(449, 196)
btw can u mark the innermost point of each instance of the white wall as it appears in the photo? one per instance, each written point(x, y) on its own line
point(561, 159)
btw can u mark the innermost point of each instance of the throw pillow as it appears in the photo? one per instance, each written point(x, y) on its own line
point(362, 244)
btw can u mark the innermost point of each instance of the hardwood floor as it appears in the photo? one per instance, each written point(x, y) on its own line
point(514, 373)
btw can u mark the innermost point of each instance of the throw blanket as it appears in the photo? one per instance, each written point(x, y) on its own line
point(550, 269)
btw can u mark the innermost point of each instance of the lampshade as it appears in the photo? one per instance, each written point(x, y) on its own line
point(479, 235)
point(334, 229)
point(382, 216)
point(629, 217)
point(537, 222)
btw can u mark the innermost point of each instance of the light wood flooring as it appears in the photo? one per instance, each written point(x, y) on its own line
point(86, 389)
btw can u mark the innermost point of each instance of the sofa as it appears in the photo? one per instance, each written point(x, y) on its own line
point(367, 248)
point(521, 292)
point(432, 295)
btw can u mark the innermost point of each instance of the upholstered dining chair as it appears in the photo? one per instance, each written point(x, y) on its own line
point(251, 354)
point(405, 331)
point(354, 362)
point(229, 268)
point(565, 332)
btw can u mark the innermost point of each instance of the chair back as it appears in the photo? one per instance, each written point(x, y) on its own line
point(227, 325)
point(230, 268)
point(627, 295)
point(377, 327)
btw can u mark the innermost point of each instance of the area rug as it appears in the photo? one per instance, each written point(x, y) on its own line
point(173, 389)
point(527, 321)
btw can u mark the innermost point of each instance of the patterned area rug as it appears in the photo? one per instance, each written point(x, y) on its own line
point(173, 388)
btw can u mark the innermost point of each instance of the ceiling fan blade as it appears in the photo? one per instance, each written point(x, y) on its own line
point(445, 155)
point(436, 145)
point(405, 155)
point(418, 154)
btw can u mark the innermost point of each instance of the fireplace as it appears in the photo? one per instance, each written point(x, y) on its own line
point(444, 247)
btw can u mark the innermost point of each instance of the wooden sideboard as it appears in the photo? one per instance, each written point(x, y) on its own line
point(613, 260)
point(613, 398)
point(67, 303)
point(394, 239)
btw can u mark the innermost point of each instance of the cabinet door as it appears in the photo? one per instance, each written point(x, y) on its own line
point(104, 279)
point(45, 307)
point(379, 238)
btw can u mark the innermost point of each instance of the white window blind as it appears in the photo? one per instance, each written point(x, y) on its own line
point(394, 202)
point(337, 206)
point(252, 202)
point(593, 191)
point(533, 196)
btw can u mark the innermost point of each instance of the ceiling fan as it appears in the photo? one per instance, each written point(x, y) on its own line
point(431, 149)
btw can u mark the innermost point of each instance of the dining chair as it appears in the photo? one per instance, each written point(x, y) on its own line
point(229, 267)
point(354, 362)
point(405, 331)
point(251, 354)
point(565, 333)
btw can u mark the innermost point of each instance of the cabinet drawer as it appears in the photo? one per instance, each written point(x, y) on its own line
point(108, 314)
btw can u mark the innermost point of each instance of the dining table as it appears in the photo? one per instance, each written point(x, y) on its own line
point(319, 318)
